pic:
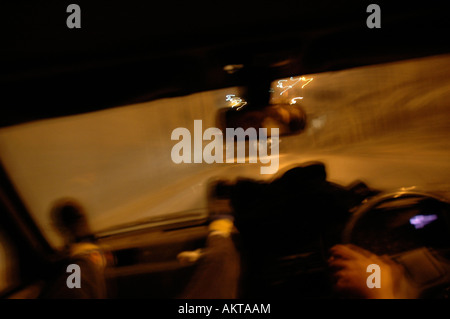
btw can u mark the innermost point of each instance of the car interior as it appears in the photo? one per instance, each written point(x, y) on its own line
point(89, 114)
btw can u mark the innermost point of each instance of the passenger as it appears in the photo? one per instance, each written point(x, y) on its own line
point(70, 219)
point(80, 249)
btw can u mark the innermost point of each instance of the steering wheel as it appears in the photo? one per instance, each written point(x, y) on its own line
point(399, 221)
point(413, 229)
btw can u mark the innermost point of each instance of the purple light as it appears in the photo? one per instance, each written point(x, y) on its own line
point(419, 221)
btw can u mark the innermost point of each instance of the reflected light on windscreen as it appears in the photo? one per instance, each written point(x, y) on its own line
point(289, 84)
point(235, 101)
point(294, 100)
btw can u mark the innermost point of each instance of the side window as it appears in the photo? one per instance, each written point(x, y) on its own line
point(9, 276)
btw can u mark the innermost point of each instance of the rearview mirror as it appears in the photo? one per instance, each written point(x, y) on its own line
point(290, 119)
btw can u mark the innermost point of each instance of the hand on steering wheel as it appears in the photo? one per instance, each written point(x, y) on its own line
point(349, 266)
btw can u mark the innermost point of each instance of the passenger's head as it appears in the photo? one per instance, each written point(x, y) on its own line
point(70, 219)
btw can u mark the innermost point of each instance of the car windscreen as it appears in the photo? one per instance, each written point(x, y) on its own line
point(386, 124)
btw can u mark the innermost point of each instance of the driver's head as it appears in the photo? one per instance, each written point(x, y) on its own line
point(70, 219)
